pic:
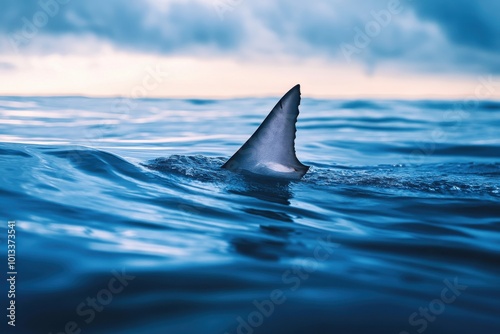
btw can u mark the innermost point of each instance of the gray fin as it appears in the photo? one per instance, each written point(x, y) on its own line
point(271, 149)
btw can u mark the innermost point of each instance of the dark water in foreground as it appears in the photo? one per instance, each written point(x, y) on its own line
point(126, 224)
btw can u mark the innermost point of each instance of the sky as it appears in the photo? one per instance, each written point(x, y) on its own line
point(237, 48)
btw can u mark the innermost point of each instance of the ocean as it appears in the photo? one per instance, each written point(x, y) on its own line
point(125, 223)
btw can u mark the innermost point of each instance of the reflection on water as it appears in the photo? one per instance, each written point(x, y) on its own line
point(266, 189)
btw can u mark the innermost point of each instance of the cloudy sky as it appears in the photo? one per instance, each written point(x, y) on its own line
point(225, 48)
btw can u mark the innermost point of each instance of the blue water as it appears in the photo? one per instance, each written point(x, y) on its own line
point(395, 228)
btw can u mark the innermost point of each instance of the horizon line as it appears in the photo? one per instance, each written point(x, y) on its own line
point(238, 97)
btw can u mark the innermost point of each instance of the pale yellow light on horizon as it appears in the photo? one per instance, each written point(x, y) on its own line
point(114, 73)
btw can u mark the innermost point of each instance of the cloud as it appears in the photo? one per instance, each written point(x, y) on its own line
point(5, 66)
point(426, 36)
point(473, 24)
point(134, 25)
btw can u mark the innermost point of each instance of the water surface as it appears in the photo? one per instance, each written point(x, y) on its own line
point(127, 224)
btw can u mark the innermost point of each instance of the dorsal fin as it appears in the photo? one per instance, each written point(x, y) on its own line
point(271, 149)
